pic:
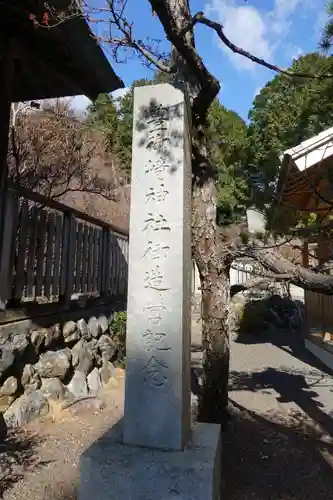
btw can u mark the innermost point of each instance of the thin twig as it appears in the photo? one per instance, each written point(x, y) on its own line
point(200, 18)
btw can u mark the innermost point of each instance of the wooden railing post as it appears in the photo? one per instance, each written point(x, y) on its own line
point(105, 267)
point(7, 250)
point(67, 259)
point(114, 266)
point(126, 265)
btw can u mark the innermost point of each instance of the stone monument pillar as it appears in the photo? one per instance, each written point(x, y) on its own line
point(152, 453)
point(157, 397)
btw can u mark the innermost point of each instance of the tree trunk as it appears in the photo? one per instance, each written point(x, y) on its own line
point(215, 288)
point(175, 15)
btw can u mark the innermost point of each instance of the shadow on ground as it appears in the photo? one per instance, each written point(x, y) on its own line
point(18, 454)
point(268, 459)
point(290, 387)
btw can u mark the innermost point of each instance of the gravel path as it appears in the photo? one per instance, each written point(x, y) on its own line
point(41, 463)
point(279, 445)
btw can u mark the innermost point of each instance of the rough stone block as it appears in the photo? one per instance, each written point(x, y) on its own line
point(110, 470)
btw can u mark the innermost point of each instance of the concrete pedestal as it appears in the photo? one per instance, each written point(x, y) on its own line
point(110, 470)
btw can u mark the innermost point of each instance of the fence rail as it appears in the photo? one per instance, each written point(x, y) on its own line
point(54, 253)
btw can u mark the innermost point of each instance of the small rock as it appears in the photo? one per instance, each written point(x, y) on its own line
point(34, 384)
point(48, 337)
point(5, 402)
point(78, 385)
point(94, 381)
point(37, 339)
point(82, 357)
point(107, 371)
point(52, 334)
point(56, 328)
point(19, 342)
point(52, 388)
point(86, 361)
point(29, 376)
point(83, 329)
point(107, 347)
point(73, 337)
point(68, 328)
point(76, 352)
point(94, 327)
point(30, 380)
point(27, 373)
point(92, 346)
point(54, 364)
point(6, 358)
point(103, 323)
point(9, 387)
point(25, 409)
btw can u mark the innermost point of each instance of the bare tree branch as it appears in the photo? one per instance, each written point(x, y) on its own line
point(52, 154)
point(258, 282)
point(297, 275)
point(200, 18)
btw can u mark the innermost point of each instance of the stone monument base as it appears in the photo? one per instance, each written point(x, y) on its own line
point(110, 470)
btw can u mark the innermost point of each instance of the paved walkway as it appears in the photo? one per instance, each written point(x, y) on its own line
point(277, 373)
point(280, 443)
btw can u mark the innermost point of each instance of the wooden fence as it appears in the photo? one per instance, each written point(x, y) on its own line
point(53, 253)
point(319, 311)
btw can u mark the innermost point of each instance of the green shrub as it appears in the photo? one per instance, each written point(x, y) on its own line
point(253, 318)
point(118, 327)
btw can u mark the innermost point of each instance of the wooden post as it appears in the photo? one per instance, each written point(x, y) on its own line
point(105, 272)
point(68, 249)
point(305, 254)
point(7, 250)
point(305, 263)
point(7, 74)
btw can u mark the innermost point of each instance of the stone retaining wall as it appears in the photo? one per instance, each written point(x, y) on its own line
point(62, 361)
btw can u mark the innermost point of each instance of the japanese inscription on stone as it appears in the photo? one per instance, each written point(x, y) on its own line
point(155, 223)
point(157, 373)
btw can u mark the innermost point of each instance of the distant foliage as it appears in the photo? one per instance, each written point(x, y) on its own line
point(285, 113)
point(327, 38)
point(227, 141)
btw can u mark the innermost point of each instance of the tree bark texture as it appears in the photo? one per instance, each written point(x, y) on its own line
point(202, 88)
point(215, 289)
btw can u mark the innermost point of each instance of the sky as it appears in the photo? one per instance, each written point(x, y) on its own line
point(275, 30)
